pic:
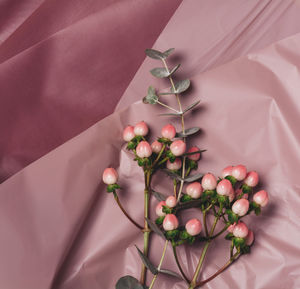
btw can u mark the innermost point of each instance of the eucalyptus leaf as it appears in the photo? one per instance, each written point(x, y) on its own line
point(188, 132)
point(170, 114)
point(173, 175)
point(167, 93)
point(170, 273)
point(129, 282)
point(174, 69)
point(160, 72)
point(147, 262)
point(191, 106)
point(159, 196)
point(155, 54)
point(181, 86)
point(168, 52)
point(151, 96)
point(155, 228)
point(193, 178)
point(196, 152)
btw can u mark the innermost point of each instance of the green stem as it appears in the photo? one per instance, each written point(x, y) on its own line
point(160, 263)
point(169, 107)
point(146, 229)
point(163, 161)
point(205, 223)
point(204, 251)
point(220, 233)
point(125, 212)
point(159, 155)
point(178, 265)
point(225, 266)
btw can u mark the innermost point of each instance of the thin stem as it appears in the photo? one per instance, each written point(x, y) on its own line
point(159, 155)
point(125, 213)
point(204, 251)
point(146, 229)
point(179, 265)
point(160, 263)
point(205, 223)
point(169, 107)
point(163, 161)
point(220, 233)
point(188, 171)
point(224, 267)
point(175, 188)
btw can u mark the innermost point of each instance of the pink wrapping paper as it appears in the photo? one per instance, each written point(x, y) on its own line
point(59, 229)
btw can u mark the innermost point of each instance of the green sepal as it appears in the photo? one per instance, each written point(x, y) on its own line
point(141, 162)
point(171, 156)
point(191, 239)
point(232, 217)
point(184, 235)
point(171, 235)
point(246, 189)
point(245, 249)
point(131, 145)
point(164, 140)
point(229, 236)
point(239, 242)
point(112, 188)
point(193, 165)
point(257, 211)
point(232, 179)
point(185, 198)
point(159, 220)
point(167, 210)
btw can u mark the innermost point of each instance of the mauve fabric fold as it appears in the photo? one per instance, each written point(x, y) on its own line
point(65, 66)
point(60, 229)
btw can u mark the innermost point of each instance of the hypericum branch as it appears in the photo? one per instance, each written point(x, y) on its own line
point(125, 213)
point(160, 263)
point(179, 265)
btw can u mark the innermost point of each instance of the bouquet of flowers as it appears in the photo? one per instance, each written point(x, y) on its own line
point(226, 199)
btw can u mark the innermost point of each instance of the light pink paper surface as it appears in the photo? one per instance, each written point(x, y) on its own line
point(59, 229)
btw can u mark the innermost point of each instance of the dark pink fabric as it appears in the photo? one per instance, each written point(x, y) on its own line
point(65, 64)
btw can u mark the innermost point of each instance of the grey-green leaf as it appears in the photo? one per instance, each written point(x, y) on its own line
point(191, 106)
point(129, 282)
point(195, 152)
point(193, 178)
point(151, 97)
point(147, 262)
point(160, 72)
point(155, 228)
point(159, 196)
point(174, 69)
point(173, 175)
point(181, 86)
point(188, 132)
point(168, 52)
point(170, 114)
point(155, 54)
point(171, 273)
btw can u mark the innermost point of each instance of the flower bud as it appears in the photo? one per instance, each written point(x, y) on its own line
point(261, 198)
point(168, 131)
point(239, 172)
point(170, 222)
point(224, 188)
point(240, 207)
point(240, 230)
point(249, 238)
point(231, 195)
point(176, 165)
point(194, 157)
point(144, 150)
point(156, 146)
point(209, 182)
point(193, 227)
point(231, 227)
point(141, 129)
point(171, 201)
point(128, 133)
point(251, 179)
point(159, 209)
point(178, 147)
point(110, 176)
point(227, 172)
point(194, 190)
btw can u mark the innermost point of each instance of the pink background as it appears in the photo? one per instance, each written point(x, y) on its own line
point(59, 229)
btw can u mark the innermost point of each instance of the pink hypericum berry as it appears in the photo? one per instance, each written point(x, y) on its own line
point(170, 222)
point(251, 179)
point(209, 182)
point(144, 150)
point(240, 207)
point(224, 188)
point(239, 172)
point(178, 147)
point(159, 209)
point(249, 238)
point(231, 195)
point(261, 198)
point(240, 230)
point(193, 227)
point(168, 131)
point(128, 133)
point(194, 190)
point(110, 176)
point(194, 157)
point(231, 227)
point(226, 172)
point(156, 146)
point(176, 165)
point(141, 128)
point(171, 201)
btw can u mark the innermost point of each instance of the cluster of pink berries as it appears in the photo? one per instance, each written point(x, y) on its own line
point(168, 132)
